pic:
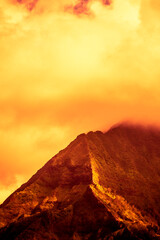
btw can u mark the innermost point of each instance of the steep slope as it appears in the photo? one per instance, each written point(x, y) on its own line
point(127, 160)
point(52, 183)
point(102, 186)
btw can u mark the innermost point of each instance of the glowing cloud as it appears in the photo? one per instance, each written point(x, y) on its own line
point(68, 67)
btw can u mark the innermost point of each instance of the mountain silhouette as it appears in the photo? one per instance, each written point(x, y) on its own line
point(103, 186)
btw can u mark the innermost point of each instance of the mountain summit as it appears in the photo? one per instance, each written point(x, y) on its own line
point(102, 186)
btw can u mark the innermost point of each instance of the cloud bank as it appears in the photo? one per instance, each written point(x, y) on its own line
point(68, 67)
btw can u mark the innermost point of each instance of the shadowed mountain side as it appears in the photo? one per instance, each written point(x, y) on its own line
point(127, 160)
point(86, 216)
point(102, 186)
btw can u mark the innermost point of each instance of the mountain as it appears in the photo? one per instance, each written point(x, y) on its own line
point(102, 186)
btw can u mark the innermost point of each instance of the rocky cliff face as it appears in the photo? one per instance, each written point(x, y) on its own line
point(102, 186)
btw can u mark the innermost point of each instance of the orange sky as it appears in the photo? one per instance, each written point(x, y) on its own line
point(65, 71)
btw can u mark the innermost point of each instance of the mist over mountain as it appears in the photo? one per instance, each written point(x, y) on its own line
point(102, 186)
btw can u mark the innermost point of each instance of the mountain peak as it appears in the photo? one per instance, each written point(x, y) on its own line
point(116, 173)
